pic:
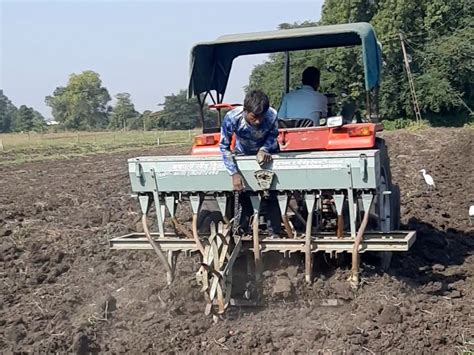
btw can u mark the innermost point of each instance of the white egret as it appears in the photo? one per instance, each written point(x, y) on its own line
point(428, 179)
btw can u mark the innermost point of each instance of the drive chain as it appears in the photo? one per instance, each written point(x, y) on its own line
point(237, 213)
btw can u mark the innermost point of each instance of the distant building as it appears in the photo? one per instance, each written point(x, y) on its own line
point(52, 123)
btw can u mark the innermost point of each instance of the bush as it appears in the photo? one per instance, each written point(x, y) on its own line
point(404, 123)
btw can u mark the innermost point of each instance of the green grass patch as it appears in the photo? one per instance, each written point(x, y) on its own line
point(20, 148)
point(403, 123)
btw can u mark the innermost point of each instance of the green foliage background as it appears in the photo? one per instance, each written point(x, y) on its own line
point(439, 39)
point(439, 36)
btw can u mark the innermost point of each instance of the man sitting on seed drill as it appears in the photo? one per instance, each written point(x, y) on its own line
point(256, 130)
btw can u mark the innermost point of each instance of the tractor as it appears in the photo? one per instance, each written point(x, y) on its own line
point(333, 181)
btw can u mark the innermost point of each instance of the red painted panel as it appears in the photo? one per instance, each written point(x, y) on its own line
point(312, 138)
point(309, 138)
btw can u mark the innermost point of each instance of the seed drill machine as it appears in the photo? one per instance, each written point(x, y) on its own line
point(333, 181)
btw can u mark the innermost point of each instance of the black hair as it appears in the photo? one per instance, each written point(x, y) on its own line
point(311, 76)
point(256, 102)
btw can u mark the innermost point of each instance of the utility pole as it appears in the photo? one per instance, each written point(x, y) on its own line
point(411, 83)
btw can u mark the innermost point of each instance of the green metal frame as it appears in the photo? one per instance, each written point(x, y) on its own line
point(356, 169)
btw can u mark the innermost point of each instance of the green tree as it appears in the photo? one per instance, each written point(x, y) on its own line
point(439, 41)
point(24, 120)
point(82, 103)
point(439, 38)
point(7, 112)
point(347, 11)
point(123, 114)
point(446, 78)
point(179, 112)
point(136, 123)
point(39, 123)
point(150, 120)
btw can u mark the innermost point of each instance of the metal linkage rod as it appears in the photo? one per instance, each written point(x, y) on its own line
point(157, 249)
point(195, 204)
point(256, 241)
point(310, 200)
point(367, 202)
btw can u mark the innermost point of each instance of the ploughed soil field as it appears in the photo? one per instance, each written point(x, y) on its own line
point(63, 290)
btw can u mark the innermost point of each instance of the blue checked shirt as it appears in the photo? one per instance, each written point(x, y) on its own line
point(248, 140)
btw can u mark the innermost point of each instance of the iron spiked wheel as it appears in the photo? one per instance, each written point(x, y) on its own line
point(215, 273)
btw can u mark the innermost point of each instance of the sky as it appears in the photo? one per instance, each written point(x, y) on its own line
point(139, 47)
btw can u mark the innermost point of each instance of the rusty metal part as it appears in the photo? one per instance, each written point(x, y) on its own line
point(215, 273)
point(398, 241)
point(297, 214)
point(286, 223)
point(173, 260)
point(196, 235)
point(159, 252)
point(308, 265)
point(237, 213)
point(182, 229)
point(340, 226)
point(256, 248)
point(264, 180)
point(354, 279)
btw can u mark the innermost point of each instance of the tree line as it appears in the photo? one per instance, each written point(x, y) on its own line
point(439, 37)
point(21, 119)
point(83, 104)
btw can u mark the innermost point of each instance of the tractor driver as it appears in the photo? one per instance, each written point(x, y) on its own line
point(305, 102)
point(255, 128)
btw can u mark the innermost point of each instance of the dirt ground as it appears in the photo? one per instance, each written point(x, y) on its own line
point(63, 290)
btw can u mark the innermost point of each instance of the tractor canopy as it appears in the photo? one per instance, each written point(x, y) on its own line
point(211, 62)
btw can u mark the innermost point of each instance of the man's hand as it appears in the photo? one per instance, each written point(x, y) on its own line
point(263, 157)
point(237, 182)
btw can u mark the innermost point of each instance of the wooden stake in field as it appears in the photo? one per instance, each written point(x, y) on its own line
point(1, 145)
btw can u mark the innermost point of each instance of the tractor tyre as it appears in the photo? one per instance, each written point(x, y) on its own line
point(396, 213)
point(386, 176)
point(385, 258)
point(209, 213)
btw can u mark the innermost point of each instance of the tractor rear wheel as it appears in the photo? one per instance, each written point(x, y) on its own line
point(209, 213)
point(387, 206)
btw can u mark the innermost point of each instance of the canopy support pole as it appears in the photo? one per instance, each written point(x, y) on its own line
point(201, 102)
point(286, 84)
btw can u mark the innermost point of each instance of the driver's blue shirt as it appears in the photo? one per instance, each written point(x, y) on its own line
point(304, 103)
point(248, 139)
